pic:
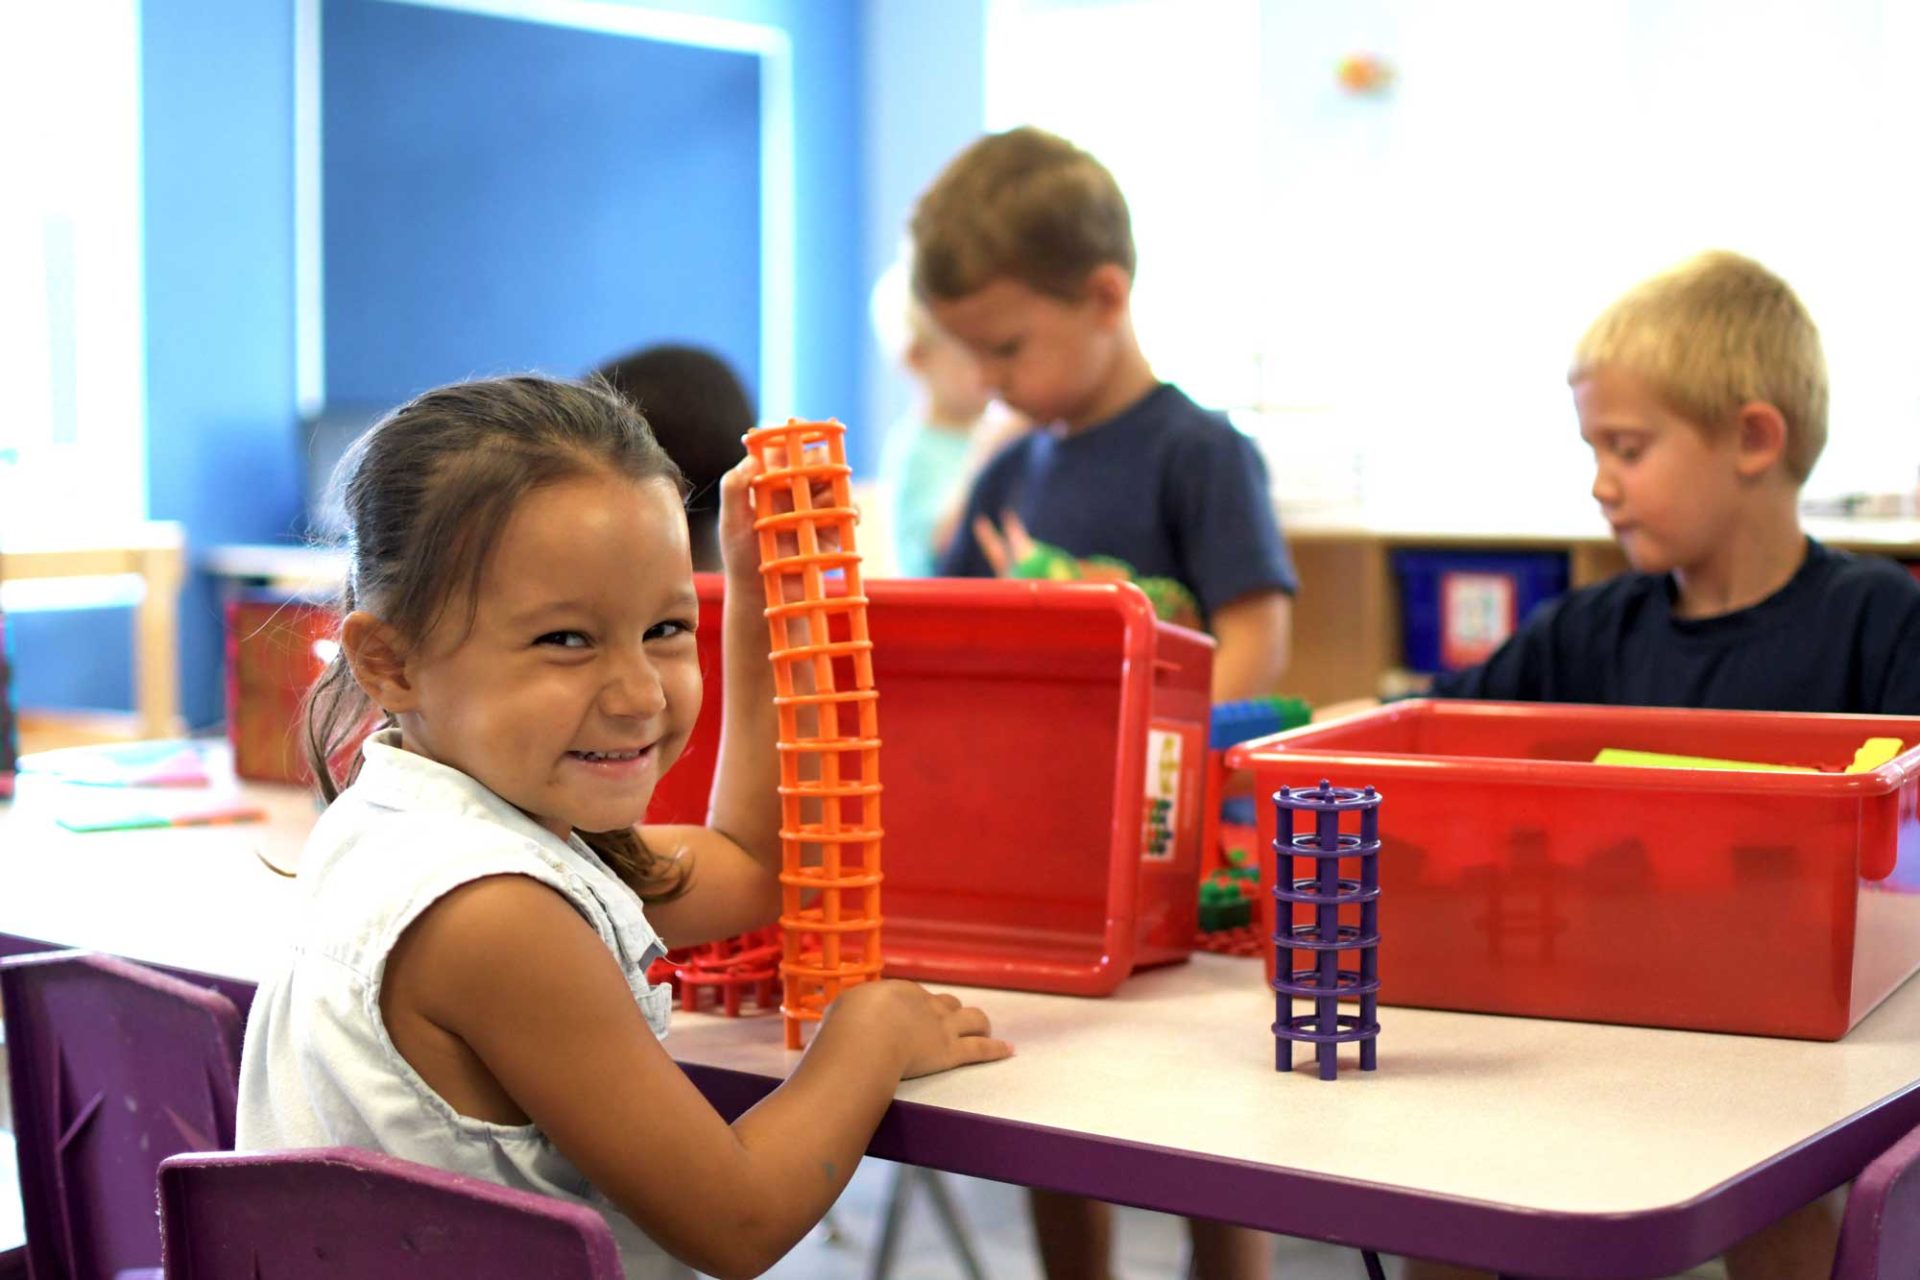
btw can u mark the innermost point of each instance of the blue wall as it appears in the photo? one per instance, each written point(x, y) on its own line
point(72, 659)
point(618, 181)
point(218, 107)
point(830, 116)
point(886, 89)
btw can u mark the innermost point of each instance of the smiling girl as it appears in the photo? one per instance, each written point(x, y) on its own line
point(467, 982)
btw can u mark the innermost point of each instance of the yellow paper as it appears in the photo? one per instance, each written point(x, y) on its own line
point(1659, 760)
point(1873, 753)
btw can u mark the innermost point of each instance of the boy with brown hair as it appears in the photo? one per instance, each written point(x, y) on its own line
point(1023, 250)
point(1703, 395)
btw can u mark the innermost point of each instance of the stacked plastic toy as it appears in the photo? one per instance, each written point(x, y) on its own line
point(731, 969)
point(1229, 875)
point(1322, 935)
point(829, 746)
point(1227, 907)
point(1232, 724)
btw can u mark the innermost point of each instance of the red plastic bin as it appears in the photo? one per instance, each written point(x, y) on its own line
point(1518, 877)
point(273, 658)
point(1019, 722)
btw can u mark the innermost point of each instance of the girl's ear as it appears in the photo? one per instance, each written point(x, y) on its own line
point(1763, 438)
point(379, 665)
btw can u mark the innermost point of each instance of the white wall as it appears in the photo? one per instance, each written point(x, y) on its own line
point(1399, 278)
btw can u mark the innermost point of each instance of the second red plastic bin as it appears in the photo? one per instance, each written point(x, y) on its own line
point(1519, 877)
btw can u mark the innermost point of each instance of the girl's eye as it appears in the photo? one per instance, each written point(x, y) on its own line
point(565, 639)
point(669, 629)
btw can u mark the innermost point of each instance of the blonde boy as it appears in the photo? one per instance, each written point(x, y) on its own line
point(1023, 250)
point(1703, 395)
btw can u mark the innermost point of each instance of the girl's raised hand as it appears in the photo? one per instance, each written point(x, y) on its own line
point(932, 1033)
point(739, 544)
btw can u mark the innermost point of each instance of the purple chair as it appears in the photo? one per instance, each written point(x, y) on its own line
point(1880, 1236)
point(340, 1212)
point(113, 1068)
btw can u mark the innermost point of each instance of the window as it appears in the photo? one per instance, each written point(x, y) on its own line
point(72, 441)
point(1385, 288)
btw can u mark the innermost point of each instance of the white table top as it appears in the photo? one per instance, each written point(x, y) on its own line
point(1531, 1117)
point(191, 897)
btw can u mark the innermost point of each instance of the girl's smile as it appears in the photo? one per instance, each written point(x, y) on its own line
point(619, 764)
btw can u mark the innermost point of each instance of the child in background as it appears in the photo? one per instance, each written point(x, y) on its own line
point(1703, 395)
point(467, 986)
point(1023, 250)
point(693, 401)
point(929, 455)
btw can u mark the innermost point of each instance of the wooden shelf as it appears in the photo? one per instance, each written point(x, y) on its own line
point(154, 552)
point(43, 730)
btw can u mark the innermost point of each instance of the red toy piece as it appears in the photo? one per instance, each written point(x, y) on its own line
point(731, 969)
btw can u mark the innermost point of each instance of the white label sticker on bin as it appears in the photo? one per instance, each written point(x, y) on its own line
point(1476, 616)
point(1161, 813)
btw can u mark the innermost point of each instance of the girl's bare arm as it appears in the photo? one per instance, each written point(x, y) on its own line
point(511, 970)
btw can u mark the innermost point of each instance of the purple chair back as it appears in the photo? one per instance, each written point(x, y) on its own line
point(1880, 1236)
point(113, 1068)
point(339, 1211)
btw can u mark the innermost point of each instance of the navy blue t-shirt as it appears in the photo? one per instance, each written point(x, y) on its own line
point(1169, 487)
point(1843, 635)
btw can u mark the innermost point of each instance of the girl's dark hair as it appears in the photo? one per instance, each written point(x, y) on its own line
point(426, 492)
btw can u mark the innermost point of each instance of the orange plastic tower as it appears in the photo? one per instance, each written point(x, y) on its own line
point(829, 727)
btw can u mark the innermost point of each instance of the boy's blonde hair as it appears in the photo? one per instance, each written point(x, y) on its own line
point(1714, 333)
point(1024, 205)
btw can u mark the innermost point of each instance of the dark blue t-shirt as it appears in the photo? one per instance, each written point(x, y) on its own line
point(1843, 635)
point(1169, 487)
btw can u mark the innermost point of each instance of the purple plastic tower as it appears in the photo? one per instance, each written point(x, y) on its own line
point(1324, 936)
